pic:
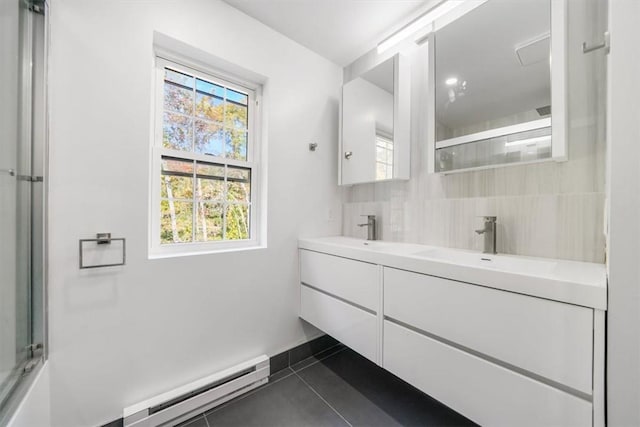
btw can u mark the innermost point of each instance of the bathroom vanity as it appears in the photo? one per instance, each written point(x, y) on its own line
point(504, 340)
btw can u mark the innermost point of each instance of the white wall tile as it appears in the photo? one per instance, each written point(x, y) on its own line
point(566, 226)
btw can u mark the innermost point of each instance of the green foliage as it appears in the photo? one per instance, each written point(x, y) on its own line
point(198, 202)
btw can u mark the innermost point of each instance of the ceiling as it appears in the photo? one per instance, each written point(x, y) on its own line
point(340, 30)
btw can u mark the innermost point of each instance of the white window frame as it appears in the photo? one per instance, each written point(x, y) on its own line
point(254, 92)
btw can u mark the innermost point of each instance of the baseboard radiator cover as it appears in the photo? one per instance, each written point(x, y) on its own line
point(182, 403)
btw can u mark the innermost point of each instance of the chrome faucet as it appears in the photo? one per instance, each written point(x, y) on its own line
point(489, 232)
point(371, 227)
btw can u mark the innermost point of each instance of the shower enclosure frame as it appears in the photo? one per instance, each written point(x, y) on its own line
point(29, 170)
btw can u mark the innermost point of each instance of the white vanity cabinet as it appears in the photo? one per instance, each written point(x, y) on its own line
point(498, 356)
point(342, 298)
point(485, 392)
point(548, 339)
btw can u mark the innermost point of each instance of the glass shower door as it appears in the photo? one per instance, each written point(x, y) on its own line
point(19, 70)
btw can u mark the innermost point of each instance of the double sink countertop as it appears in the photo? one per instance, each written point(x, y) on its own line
point(573, 282)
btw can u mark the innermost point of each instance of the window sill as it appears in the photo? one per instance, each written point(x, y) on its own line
point(193, 250)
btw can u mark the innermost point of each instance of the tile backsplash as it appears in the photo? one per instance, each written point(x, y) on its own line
point(546, 209)
point(565, 226)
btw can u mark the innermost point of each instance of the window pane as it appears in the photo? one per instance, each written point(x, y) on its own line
point(209, 189)
point(173, 166)
point(383, 155)
point(237, 222)
point(177, 98)
point(211, 170)
point(209, 222)
point(209, 107)
point(209, 138)
point(383, 171)
point(210, 181)
point(235, 116)
point(176, 222)
point(236, 145)
point(177, 132)
point(237, 97)
point(177, 178)
point(238, 184)
point(235, 173)
point(203, 201)
point(209, 88)
point(178, 77)
point(176, 187)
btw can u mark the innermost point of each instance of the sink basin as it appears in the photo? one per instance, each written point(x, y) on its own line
point(373, 245)
point(522, 265)
point(376, 244)
point(359, 243)
point(573, 282)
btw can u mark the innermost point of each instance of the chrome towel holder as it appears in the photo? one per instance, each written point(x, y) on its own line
point(102, 239)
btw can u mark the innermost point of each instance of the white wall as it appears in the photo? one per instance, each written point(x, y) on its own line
point(623, 187)
point(35, 408)
point(548, 209)
point(123, 334)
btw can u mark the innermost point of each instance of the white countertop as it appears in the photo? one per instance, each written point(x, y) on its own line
point(580, 283)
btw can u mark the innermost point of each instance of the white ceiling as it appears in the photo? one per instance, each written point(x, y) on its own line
point(340, 30)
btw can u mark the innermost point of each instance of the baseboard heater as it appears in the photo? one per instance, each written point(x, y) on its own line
point(182, 403)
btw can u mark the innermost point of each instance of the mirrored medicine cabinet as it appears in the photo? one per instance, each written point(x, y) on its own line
point(496, 96)
point(375, 120)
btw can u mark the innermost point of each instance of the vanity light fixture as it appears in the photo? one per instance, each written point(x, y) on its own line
point(419, 23)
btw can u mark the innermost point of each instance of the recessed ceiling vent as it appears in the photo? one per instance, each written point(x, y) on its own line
point(534, 51)
point(544, 111)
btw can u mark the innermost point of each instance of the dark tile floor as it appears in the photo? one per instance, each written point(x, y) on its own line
point(335, 388)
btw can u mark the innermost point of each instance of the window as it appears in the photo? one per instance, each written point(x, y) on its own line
point(384, 156)
point(204, 192)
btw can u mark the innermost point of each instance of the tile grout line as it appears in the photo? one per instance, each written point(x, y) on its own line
point(317, 360)
point(322, 398)
point(249, 393)
point(313, 355)
point(290, 368)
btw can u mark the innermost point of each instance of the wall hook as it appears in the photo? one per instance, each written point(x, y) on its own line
point(606, 45)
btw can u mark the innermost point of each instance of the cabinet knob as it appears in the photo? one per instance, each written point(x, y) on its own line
point(348, 154)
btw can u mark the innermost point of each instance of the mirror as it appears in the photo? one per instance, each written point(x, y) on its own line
point(375, 124)
point(492, 86)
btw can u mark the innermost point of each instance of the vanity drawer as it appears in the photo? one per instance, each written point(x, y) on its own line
point(354, 327)
point(547, 338)
point(482, 391)
point(355, 281)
